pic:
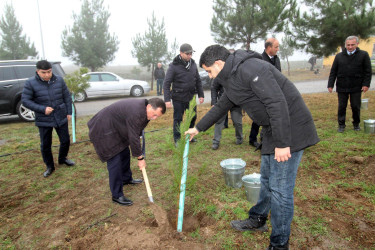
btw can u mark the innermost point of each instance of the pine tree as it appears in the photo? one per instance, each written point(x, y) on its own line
point(286, 50)
point(324, 28)
point(88, 43)
point(152, 47)
point(13, 44)
point(247, 21)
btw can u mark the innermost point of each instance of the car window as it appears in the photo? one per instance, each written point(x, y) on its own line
point(25, 71)
point(7, 73)
point(94, 78)
point(108, 77)
point(58, 70)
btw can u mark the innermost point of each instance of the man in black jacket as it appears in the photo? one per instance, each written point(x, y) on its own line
point(159, 76)
point(272, 101)
point(271, 47)
point(351, 70)
point(48, 96)
point(183, 76)
point(116, 128)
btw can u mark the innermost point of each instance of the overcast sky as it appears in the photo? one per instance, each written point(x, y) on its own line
point(187, 21)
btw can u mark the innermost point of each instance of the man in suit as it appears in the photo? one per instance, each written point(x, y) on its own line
point(271, 47)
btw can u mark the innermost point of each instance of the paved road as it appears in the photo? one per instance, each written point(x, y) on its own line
point(92, 106)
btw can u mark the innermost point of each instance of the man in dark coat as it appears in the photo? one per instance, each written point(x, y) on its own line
point(271, 47)
point(116, 128)
point(351, 70)
point(159, 76)
point(272, 101)
point(48, 96)
point(183, 76)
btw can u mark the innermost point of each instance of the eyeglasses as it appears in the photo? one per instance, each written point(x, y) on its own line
point(189, 54)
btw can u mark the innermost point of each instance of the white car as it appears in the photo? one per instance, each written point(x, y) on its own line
point(109, 84)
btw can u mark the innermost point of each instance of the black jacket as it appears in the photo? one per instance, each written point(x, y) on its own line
point(186, 81)
point(276, 62)
point(217, 91)
point(269, 98)
point(38, 94)
point(117, 127)
point(350, 72)
point(159, 73)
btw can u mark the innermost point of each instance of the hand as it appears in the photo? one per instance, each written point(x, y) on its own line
point(330, 90)
point(141, 164)
point(201, 100)
point(193, 132)
point(48, 110)
point(69, 117)
point(364, 89)
point(282, 154)
point(168, 104)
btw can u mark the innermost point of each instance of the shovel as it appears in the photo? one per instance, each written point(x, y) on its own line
point(149, 193)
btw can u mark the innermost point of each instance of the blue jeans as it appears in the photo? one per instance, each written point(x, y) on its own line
point(276, 195)
point(159, 86)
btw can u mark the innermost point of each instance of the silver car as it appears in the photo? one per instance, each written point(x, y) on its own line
point(104, 84)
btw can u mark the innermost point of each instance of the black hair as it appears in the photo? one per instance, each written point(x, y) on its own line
point(213, 53)
point(44, 65)
point(157, 103)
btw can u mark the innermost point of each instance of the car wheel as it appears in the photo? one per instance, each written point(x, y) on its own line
point(80, 97)
point(25, 113)
point(137, 91)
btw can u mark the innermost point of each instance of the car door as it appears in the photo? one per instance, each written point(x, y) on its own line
point(9, 86)
point(111, 84)
point(95, 88)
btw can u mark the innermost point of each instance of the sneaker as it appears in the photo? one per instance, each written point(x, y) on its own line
point(357, 128)
point(250, 224)
point(283, 247)
point(215, 146)
point(341, 129)
point(239, 141)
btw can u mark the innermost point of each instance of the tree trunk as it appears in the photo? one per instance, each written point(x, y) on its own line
point(152, 77)
point(287, 61)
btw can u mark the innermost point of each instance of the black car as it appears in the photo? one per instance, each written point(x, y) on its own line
point(205, 79)
point(13, 75)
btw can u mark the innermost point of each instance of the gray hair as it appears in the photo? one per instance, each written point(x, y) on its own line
point(352, 38)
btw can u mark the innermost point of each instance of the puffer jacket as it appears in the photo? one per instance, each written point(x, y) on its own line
point(269, 98)
point(352, 72)
point(185, 82)
point(37, 95)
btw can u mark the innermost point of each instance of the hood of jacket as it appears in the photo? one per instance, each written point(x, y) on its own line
point(235, 60)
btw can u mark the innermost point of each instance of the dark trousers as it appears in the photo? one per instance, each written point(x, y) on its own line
point(119, 171)
point(45, 134)
point(178, 112)
point(159, 86)
point(254, 132)
point(355, 103)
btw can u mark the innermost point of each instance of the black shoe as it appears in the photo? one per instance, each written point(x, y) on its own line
point(239, 141)
point(48, 172)
point(123, 201)
point(283, 247)
point(254, 144)
point(341, 129)
point(251, 224)
point(215, 146)
point(357, 128)
point(67, 162)
point(132, 182)
point(193, 140)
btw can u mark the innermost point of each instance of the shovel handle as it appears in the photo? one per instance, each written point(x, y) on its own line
point(149, 193)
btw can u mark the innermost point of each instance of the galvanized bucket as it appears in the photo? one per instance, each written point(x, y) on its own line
point(233, 170)
point(369, 126)
point(251, 183)
point(364, 103)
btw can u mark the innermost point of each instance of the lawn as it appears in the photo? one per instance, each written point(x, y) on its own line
point(72, 209)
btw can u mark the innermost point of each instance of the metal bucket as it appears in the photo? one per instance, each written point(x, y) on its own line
point(369, 126)
point(252, 187)
point(233, 170)
point(364, 103)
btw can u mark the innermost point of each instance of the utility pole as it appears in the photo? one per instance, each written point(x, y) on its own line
point(41, 33)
